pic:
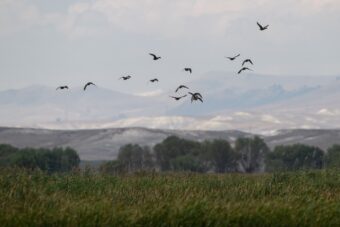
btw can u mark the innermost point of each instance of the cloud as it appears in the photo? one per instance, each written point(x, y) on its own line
point(174, 18)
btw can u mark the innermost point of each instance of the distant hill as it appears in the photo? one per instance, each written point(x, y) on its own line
point(103, 144)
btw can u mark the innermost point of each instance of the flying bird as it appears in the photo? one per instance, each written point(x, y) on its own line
point(243, 69)
point(88, 84)
point(188, 70)
point(247, 61)
point(196, 97)
point(233, 58)
point(62, 87)
point(154, 80)
point(178, 98)
point(262, 28)
point(125, 77)
point(155, 58)
point(181, 87)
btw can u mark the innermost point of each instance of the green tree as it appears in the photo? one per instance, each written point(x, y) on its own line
point(56, 160)
point(134, 157)
point(187, 163)
point(332, 158)
point(219, 156)
point(252, 153)
point(294, 157)
point(173, 147)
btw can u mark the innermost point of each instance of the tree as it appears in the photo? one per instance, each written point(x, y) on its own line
point(173, 147)
point(187, 163)
point(219, 155)
point(56, 160)
point(294, 157)
point(332, 158)
point(252, 154)
point(134, 157)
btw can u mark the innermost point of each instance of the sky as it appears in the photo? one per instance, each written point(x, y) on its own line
point(72, 41)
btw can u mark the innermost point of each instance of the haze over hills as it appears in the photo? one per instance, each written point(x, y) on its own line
point(104, 144)
point(250, 102)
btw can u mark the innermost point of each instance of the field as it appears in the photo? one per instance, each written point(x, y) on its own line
point(184, 199)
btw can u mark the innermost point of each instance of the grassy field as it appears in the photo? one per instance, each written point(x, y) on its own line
point(85, 199)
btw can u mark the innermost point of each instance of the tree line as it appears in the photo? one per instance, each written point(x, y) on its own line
point(49, 160)
point(247, 155)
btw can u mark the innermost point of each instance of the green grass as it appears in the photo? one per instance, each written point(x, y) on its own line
point(286, 199)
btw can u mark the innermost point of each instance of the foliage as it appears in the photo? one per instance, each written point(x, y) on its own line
point(55, 160)
point(332, 159)
point(77, 199)
point(220, 156)
point(295, 157)
point(252, 153)
point(171, 148)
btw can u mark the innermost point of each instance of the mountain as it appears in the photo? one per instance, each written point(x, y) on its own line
point(104, 144)
point(248, 102)
point(39, 104)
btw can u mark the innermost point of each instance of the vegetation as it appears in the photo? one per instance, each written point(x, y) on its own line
point(55, 160)
point(295, 157)
point(247, 155)
point(181, 199)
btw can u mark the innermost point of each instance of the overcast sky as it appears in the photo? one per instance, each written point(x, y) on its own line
point(73, 41)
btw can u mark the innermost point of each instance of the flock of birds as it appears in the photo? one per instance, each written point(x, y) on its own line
point(196, 96)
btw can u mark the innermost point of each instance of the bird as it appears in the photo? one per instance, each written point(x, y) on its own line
point(181, 87)
point(88, 84)
point(247, 60)
point(196, 96)
point(243, 69)
point(178, 98)
point(188, 70)
point(155, 58)
point(62, 87)
point(262, 28)
point(233, 58)
point(125, 77)
point(154, 80)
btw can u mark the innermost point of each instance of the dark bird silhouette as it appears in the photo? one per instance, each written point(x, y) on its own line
point(233, 58)
point(88, 84)
point(188, 70)
point(155, 58)
point(154, 80)
point(243, 69)
point(181, 87)
point(262, 28)
point(125, 77)
point(62, 87)
point(178, 98)
point(196, 97)
point(247, 61)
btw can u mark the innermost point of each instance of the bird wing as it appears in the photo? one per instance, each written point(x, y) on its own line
point(260, 26)
point(85, 86)
point(251, 62)
point(153, 55)
point(239, 72)
point(58, 88)
point(184, 96)
point(200, 99)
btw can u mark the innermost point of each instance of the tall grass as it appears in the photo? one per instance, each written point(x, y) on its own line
point(85, 199)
